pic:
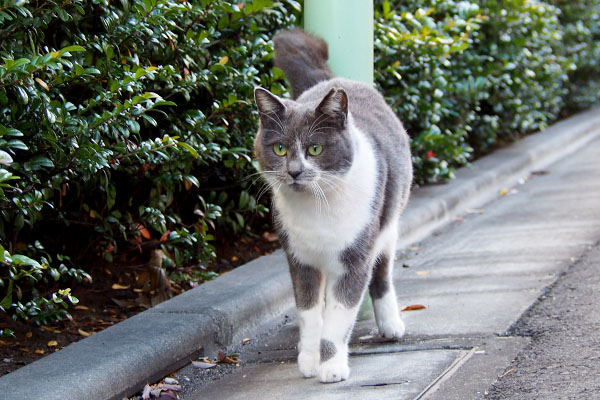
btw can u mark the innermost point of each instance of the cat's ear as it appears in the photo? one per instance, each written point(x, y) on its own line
point(335, 105)
point(267, 102)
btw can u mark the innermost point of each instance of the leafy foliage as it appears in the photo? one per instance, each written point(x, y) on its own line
point(127, 125)
point(464, 75)
point(581, 47)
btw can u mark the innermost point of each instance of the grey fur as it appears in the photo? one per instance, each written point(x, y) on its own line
point(350, 287)
point(303, 58)
point(380, 281)
point(327, 350)
point(306, 282)
point(291, 124)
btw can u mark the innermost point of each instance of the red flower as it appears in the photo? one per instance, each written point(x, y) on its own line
point(429, 154)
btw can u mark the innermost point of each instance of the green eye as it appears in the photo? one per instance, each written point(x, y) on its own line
point(315, 149)
point(279, 149)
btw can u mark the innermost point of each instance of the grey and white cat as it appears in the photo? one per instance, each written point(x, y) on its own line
point(338, 163)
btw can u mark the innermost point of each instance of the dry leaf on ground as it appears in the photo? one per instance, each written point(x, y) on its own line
point(117, 286)
point(225, 359)
point(414, 307)
point(203, 364)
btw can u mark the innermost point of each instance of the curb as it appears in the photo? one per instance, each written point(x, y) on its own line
point(119, 360)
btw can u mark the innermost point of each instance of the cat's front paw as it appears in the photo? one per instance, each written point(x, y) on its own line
point(334, 370)
point(391, 328)
point(308, 363)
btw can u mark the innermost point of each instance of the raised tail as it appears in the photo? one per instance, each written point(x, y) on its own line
point(303, 58)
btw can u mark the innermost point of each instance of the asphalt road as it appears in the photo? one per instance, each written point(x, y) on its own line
point(563, 359)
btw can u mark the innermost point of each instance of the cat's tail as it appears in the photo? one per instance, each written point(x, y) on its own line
point(303, 58)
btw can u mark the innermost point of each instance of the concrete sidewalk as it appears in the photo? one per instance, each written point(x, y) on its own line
point(476, 278)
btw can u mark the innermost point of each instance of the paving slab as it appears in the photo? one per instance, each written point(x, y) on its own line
point(376, 376)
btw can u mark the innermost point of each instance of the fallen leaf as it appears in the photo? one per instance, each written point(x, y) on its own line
point(503, 192)
point(167, 395)
point(3, 343)
point(540, 172)
point(414, 307)
point(246, 341)
point(146, 392)
point(225, 359)
point(50, 329)
point(203, 364)
point(117, 286)
point(270, 236)
point(39, 351)
point(28, 335)
point(24, 350)
point(80, 307)
point(422, 273)
point(83, 333)
point(166, 386)
point(52, 343)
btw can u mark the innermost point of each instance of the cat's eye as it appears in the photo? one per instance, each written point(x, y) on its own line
point(279, 149)
point(315, 149)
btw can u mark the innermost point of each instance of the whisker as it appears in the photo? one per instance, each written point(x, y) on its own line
point(277, 121)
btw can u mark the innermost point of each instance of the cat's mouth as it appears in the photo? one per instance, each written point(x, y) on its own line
point(298, 187)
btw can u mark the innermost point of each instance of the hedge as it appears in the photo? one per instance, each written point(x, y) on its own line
point(127, 126)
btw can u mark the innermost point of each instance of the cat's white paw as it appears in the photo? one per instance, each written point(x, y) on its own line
point(391, 327)
point(334, 370)
point(308, 363)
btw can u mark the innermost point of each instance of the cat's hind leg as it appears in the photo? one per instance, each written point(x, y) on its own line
point(382, 291)
point(309, 287)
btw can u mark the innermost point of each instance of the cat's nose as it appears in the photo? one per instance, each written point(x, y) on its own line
point(294, 168)
point(295, 173)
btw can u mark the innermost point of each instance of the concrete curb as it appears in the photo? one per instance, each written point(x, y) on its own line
point(120, 360)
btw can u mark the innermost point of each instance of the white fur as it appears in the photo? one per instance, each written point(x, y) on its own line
point(316, 234)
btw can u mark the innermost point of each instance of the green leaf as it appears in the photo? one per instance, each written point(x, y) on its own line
point(23, 97)
point(7, 300)
point(5, 158)
point(70, 49)
point(189, 148)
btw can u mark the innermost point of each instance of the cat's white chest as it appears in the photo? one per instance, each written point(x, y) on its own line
point(318, 231)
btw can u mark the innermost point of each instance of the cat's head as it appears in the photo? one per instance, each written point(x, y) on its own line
point(300, 145)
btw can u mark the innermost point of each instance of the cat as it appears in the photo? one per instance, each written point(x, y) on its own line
point(337, 161)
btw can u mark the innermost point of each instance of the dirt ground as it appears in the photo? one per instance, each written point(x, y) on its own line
point(114, 295)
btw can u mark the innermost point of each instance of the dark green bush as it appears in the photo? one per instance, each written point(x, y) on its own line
point(525, 69)
point(417, 68)
point(127, 125)
point(463, 75)
point(581, 47)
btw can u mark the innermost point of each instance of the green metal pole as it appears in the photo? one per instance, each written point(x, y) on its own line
point(347, 26)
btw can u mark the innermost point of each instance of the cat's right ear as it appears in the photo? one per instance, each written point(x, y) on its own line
point(267, 102)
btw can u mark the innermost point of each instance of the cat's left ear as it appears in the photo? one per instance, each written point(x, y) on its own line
point(335, 105)
point(267, 102)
